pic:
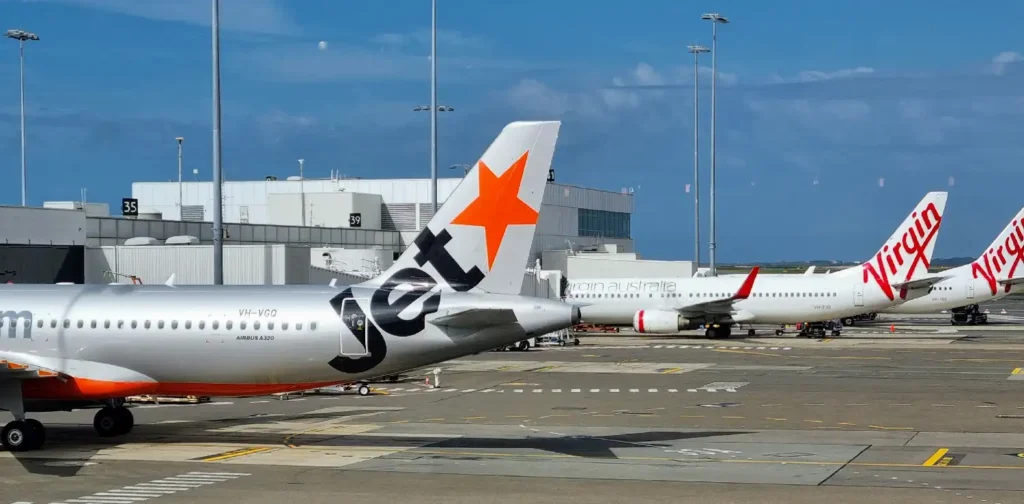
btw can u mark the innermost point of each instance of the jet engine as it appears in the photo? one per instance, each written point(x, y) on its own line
point(660, 321)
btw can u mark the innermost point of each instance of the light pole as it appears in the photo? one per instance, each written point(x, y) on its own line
point(696, 50)
point(433, 108)
point(715, 18)
point(181, 202)
point(21, 36)
point(302, 192)
point(218, 177)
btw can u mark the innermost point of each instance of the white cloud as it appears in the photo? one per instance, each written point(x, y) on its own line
point(535, 97)
point(250, 16)
point(1001, 60)
point(446, 40)
point(304, 63)
point(818, 75)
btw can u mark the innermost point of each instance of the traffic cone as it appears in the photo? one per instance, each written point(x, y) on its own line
point(892, 328)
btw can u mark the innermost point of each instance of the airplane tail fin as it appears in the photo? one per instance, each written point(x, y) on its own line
point(482, 236)
point(1001, 261)
point(907, 254)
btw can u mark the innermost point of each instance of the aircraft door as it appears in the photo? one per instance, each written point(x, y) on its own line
point(970, 288)
point(354, 330)
point(858, 294)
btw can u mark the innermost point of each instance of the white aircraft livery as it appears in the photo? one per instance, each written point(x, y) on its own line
point(453, 292)
point(998, 272)
point(897, 273)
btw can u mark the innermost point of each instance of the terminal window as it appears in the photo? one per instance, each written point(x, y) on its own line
point(603, 223)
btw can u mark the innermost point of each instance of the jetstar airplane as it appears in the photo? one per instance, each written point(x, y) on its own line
point(453, 292)
point(897, 273)
point(989, 277)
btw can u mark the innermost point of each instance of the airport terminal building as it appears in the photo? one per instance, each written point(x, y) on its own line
point(391, 211)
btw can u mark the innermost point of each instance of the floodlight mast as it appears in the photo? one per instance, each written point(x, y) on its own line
point(22, 36)
point(715, 19)
point(696, 50)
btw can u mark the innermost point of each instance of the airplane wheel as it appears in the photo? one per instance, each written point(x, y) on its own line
point(751, 333)
point(364, 390)
point(38, 432)
point(110, 422)
point(18, 436)
point(127, 420)
point(778, 332)
point(524, 346)
point(576, 342)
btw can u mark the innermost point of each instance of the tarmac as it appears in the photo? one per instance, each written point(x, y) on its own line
point(908, 410)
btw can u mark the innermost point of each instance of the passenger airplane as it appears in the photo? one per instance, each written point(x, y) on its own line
point(454, 292)
point(991, 276)
point(897, 273)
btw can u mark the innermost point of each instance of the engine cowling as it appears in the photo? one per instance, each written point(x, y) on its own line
point(659, 321)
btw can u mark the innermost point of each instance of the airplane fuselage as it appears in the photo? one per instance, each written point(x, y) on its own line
point(774, 298)
point(120, 340)
point(963, 287)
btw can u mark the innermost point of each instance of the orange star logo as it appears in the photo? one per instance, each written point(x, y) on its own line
point(498, 206)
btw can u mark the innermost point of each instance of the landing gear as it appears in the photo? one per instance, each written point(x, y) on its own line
point(110, 422)
point(715, 331)
point(23, 435)
point(751, 332)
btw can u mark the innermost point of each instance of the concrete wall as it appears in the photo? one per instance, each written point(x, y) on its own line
point(42, 263)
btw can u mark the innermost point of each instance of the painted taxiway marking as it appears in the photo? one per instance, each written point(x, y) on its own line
point(156, 488)
point(1016, 374)
point(935, 457)
point(235, 453)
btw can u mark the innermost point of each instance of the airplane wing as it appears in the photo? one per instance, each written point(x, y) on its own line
point(1012, 281)
point(723, 306)
point(475, 317)
point(11, 369)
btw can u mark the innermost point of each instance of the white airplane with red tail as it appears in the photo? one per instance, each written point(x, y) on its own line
point(897, 273)
point(991, 276)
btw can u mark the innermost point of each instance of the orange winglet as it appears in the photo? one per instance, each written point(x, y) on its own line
point(13, 365)
point(748, 284)
point(45, 374)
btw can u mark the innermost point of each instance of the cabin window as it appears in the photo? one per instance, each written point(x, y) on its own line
point(241, 325)
point(120, 324)
point(227, 325)
point(39, 323)
point(174, 324)
point(270, 326)
point(202, 324)
point(92, 325)
point(298, 326)
point(135, 324)
point(160, 324)
point(312, 326)
point(106, 324)
point(81, 324)
point(148, 324)
point(256, 325)
point(53, 324)
point(216, 324)
point(188, 324)
point(284, 326)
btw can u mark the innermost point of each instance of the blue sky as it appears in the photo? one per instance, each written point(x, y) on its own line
point(834, 118)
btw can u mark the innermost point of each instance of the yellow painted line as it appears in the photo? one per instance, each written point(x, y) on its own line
point(813, 421)
point(1017, 371)
point(691, 416)
point(670, 370)
point(738, 417)
point(235, 454)
point(846, 423)
point(400, 421)
point(935, 457)
point(545, 368)
point(826, 340)
point(518, 383)
point(516, 416)
point(473, 417)
point(507, 367)
point(944, 462)
point(433, 420)
point(776, 419)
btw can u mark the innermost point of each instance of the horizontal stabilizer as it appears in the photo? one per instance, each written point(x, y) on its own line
point(1012, 281)
point(475, 317)
point(920, 283)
